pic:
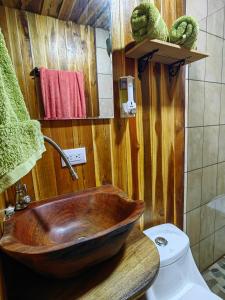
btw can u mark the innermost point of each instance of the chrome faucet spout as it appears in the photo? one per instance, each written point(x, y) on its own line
point(22, 197)
point(62, 154)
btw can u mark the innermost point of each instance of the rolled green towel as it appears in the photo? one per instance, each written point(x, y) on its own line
point(146, 22)
point(184, 32)
point(21, 140)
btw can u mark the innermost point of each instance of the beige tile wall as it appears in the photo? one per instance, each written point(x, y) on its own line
point(104, 75)
point(205, 136)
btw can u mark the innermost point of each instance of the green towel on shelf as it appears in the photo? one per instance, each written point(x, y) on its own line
point(21, 141)
point(146, 22)
point(184, 32)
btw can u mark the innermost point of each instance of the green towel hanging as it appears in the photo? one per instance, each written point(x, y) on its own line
point(21, 140)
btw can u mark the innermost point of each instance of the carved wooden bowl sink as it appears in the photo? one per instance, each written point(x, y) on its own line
point(61, 236)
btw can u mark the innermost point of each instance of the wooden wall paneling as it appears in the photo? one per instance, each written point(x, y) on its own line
point(45, 180)
point(140, 137)
point(126, 8)
point(120, 127)
point(62, 133)
point(176, 96)
point(79, 169)
point(146, 128)
point(102, 142)
point(16, 49)
point(76, 43)
point(26, 54)
point(51, 43)
point(86, 140)
point(180, 7)
point(134, 136)
point(92, 70)
point(116, 30)
point(4, 27)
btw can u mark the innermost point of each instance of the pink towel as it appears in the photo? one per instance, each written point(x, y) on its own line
point(63, 94)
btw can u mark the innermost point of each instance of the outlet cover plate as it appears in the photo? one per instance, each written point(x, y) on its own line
point(75, 156)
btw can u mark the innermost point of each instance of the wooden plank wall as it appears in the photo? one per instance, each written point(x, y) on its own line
point(144, 156)
point(35, 41)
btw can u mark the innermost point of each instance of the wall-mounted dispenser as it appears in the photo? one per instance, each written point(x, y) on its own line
point(127, 92)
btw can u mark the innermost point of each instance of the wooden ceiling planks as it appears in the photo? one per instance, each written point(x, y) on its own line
point(86, 12)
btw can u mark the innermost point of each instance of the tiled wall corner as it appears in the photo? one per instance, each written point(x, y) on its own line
point(104, 74)
point(204, 214)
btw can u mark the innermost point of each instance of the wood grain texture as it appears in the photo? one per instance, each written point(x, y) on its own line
point(95, 13)
point(62, 236)
point(35, 40)
point(126, 276)
point(142, 156)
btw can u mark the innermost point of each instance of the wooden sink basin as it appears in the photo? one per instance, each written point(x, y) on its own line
point(61, 236)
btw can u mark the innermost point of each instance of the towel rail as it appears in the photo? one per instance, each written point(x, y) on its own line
point(35, 72)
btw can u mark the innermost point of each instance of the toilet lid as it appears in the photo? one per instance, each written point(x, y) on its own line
point(170, 241)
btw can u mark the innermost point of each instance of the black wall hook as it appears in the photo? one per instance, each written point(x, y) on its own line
point(35, 72)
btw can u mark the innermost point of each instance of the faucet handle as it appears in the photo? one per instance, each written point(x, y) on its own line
point(22, 198)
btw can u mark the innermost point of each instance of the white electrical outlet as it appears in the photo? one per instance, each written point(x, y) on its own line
point(75, 156)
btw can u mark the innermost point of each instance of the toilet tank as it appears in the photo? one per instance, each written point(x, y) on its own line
point(178, 271)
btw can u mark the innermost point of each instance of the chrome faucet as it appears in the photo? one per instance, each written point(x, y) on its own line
point(22, 197)
point(62, 154)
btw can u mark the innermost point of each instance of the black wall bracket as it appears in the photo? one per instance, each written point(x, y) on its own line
point(175, 67)
point(143, 62)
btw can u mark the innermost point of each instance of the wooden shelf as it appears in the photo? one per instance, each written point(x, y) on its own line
point(167, 53)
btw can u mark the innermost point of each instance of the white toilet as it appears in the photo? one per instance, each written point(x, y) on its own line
point(179, 277)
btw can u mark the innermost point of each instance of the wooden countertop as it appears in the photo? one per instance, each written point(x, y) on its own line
point(125, 276)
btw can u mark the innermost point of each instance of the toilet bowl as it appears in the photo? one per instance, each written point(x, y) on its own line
point(179, 277)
